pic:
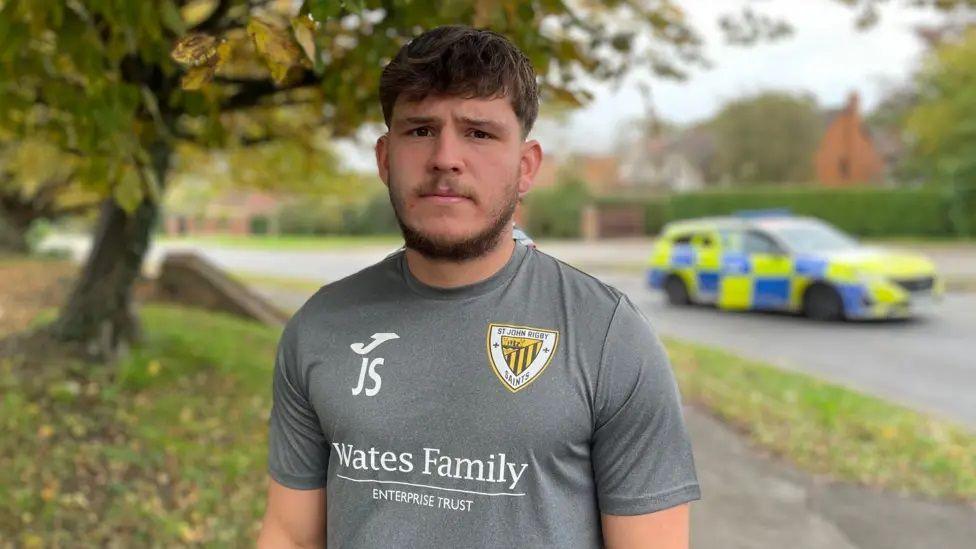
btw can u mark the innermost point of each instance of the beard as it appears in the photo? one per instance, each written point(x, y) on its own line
point(457, 250)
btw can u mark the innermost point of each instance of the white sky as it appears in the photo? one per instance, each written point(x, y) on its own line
point(826, 56)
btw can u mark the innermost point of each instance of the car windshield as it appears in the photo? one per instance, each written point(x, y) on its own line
point(811, 237)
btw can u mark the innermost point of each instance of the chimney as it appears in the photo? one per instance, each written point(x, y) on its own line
point(853, 102)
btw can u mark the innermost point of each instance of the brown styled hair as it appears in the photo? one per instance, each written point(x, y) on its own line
point(462, 61)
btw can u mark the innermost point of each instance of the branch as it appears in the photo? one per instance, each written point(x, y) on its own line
point(252, 92)
point(83, 207)
point(45, 193)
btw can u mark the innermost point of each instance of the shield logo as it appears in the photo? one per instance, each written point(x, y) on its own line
point(519, 354)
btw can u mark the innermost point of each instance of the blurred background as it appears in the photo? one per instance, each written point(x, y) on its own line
point(178, 176)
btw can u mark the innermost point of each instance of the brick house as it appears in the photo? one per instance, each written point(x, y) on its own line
point(847, 154)
point(238, 212)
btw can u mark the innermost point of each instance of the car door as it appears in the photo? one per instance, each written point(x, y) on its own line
point(707, 265)
point(735, 280)
point(771, 269)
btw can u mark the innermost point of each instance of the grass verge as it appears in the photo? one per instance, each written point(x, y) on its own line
point(828, 429)
point(165, 448)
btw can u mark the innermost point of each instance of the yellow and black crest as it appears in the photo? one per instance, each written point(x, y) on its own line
point(519, 354)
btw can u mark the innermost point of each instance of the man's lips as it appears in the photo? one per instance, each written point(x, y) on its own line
point(444, 197)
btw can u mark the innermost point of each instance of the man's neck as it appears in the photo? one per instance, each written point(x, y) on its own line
point(451, 274)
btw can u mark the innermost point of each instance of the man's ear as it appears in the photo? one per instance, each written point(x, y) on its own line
point(529, 165)
point(383, 158)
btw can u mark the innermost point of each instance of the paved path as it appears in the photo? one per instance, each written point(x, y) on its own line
point(751, 501)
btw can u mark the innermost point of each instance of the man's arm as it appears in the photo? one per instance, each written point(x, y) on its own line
point(293, 518)
point(665, 529)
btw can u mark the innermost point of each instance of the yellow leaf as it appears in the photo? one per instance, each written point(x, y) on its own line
point(154, 367)
point(49, 492)
point(45, 431)
point(304, 29)
point(128, 190)
point(195, 50)
point(195, 12)
point(276, 47)
point(196, 77)
point(190, 534)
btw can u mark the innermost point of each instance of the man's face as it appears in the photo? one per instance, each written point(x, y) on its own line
point(455, 169)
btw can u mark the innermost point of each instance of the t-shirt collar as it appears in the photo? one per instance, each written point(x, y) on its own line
point(481, 287)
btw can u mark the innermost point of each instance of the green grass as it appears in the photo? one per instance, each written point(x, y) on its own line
point(827, 429)
point(165, 448)
point(290, 242)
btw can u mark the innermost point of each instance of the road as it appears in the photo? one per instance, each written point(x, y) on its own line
point(928, 364)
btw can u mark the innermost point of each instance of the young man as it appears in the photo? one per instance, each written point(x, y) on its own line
point(468, 391)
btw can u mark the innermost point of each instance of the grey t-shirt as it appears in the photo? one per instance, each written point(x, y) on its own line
point(509, 412)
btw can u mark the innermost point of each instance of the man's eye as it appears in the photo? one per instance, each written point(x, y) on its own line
point(480, 134)
point(420, 132)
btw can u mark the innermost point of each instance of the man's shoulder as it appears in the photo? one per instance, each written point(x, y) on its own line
point(577, 285)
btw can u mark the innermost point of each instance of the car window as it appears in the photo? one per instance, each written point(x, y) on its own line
point(754, 242)
point(683, 239)
point(731, 240)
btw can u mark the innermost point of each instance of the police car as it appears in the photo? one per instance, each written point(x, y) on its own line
point(772, 260)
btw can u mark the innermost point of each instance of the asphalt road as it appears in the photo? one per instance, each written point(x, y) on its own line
point(928, 363)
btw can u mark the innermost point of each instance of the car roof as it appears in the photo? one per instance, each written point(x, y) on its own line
point(733, 222)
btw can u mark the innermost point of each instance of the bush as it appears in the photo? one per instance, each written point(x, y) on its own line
point(372, 215)
point(556, 211)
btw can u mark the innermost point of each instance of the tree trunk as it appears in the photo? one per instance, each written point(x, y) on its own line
point(99, 312)
point(13, 235)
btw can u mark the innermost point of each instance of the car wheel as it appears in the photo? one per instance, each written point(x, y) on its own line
point(676, 291)
point(823, 303)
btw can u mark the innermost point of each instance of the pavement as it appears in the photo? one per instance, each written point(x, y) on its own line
point(751, 500)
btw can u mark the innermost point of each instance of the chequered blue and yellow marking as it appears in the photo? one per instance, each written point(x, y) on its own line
point(740, 281)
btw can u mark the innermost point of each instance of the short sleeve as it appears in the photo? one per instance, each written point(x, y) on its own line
point(641, 451)
point(298, 452)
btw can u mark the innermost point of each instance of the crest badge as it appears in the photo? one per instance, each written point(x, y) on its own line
point(519, 354)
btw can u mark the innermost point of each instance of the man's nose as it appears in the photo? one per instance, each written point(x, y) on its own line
point(446, 156)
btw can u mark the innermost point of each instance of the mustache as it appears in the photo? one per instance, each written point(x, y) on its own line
point(453, 186)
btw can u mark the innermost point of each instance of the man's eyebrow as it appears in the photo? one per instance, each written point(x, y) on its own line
point(493, 125)
point(482, 123)
point(416, 120)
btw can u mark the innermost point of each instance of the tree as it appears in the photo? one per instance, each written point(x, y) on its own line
point(942, 126)
point(102, 80)
point(767, 138)
point(37, 182)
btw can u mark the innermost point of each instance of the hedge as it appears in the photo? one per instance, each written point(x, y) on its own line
point(863, 211)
